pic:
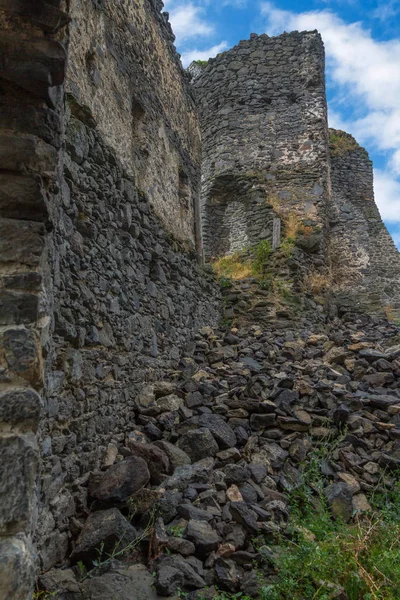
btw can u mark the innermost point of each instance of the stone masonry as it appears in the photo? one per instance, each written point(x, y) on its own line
point(100, 283)
point(264, 131)
point(364, 260)
point(32, 72)
point(108, 152)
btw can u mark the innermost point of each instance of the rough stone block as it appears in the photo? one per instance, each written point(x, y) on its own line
point(22, 153)
point(21, 197)
point(22, 354)
point(17, 308)
point(21, 241)
point(21, 408)
point(17, 569)
point(42, 14)
point(18, 469)
point(30, 282)
point(41, 122)
point(35, 66)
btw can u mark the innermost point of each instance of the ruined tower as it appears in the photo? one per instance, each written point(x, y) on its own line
point(263, 115)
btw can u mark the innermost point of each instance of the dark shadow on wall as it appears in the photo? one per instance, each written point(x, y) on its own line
point(236, 214)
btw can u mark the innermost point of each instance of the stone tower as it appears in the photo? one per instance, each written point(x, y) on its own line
point(264, 132)
point(268, 154)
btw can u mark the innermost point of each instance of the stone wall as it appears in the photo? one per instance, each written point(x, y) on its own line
point(264, 132)
point(126, 300)
point(124, 67)
point(32, 68)
point(100, 282)
point(364, 260)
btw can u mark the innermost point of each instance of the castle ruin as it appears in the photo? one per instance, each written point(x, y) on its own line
point(119, 171)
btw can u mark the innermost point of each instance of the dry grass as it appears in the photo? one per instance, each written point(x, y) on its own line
point(292, 222)
point(317, 282)
point(233, 267)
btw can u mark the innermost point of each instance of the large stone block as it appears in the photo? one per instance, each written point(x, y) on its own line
point(22, 354)
point(21, 408)
point(47, 17)
point(22, 153)
point(36, 66)
point(17, 308)
point(42, 122)
point(21, 197)
point(17, 568)
point(18, 469)
point(28, 281)
point(21, 241)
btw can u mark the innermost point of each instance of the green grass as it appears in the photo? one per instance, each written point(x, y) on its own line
point(250, 262)
point(317, 556)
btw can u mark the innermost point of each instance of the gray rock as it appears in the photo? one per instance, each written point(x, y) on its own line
point(121, 480)
point(198, 444)
point(203, 536)
point(228, 575)
point(124, 583)
point(107, 529)
point(191, 579)
point(339, 498)
point(242, 514)
point(155, 458)
point(221, 432)
point(177, 456)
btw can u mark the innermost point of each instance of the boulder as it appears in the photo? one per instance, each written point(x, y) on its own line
point(105, 531)
point(120, 481)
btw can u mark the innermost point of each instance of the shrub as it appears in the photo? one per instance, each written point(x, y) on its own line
point(260, 254)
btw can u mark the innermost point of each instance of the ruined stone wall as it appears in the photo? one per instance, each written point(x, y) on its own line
point(32, 69)
point(126, 300)
point(100, 285)
point(124, 67)
point(264, 132)
point(364, 260)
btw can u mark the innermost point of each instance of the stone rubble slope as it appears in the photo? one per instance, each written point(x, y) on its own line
point(220, 444)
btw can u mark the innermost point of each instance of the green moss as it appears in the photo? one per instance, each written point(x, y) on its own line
point(340, 142)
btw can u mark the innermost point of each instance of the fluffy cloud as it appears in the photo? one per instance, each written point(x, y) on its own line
point(188, 21)
point(365, 74)
point(387, 191)
point(193, 54)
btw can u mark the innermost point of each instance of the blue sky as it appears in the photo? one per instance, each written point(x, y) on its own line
point(362, 43)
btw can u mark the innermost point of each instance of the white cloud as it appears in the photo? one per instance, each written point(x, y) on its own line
point(194, 54)
point(386, 10)
point(387, 192)
point(366, 76)
point(187, 21)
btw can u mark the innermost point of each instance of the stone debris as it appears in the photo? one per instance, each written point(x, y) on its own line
point(189, 504)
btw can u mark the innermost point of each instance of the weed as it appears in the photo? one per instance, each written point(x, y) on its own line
point(176, 530)
point(250, 262)
point(201, 63)
point(287, 247)
point(320, 558)
point(225, 283)
point(317, 282)
point(392, 314)
point(260, 254)
point(340, 142)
